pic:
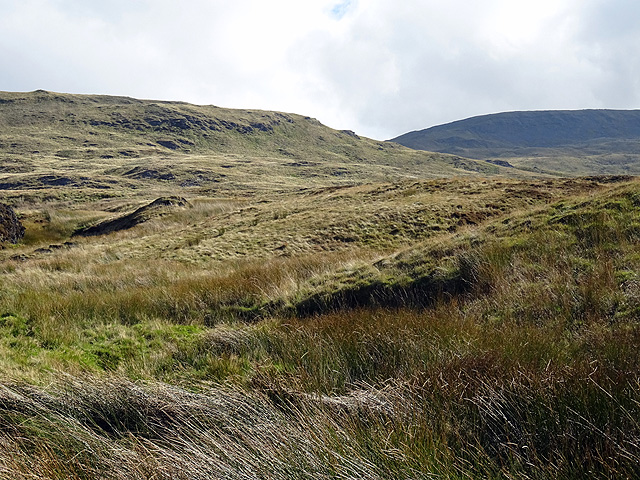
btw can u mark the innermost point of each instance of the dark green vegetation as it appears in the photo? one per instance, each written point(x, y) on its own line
point(469, 327)
point(563, 142)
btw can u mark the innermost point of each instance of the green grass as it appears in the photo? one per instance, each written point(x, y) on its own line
point(452, 328)
point(423, 393)
point(511, 351)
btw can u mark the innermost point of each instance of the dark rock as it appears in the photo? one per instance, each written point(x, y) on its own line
point(55, 181)
point(181, 123)
point(11, 229)
point(263, 127)
point(157, 208)
point(170, 144)
point(501, 163)
point(149, 173)
point(351, 133)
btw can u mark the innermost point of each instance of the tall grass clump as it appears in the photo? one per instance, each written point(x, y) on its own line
point(115, 429)
point(132, 291)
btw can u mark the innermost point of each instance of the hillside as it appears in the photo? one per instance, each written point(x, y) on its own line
point(561, 142)
point(106, 146)
point(474, 326)
point(210, 293)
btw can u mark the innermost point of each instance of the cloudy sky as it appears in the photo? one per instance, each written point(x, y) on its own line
point(379, 67)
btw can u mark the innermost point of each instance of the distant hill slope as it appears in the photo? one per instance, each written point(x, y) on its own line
point(104, 143)
point(565, 141)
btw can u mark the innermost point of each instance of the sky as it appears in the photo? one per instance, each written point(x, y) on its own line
point(378, 67)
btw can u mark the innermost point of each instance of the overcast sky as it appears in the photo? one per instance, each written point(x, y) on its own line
point(379, 67)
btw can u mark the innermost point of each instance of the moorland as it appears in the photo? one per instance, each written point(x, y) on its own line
point(203, 292)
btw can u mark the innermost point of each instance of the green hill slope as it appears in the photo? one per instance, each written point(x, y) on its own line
point(580, 142)
point(104, 144)
point(211, 293)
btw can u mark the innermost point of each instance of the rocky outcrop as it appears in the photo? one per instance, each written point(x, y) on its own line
point(157, 208)
point(11, 230)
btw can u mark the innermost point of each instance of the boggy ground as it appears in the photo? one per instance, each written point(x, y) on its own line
point(460, 328)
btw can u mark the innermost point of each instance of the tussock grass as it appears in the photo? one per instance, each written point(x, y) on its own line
point(476, 417)
point(503, 348)
point(300, 321)
point(115, 429)
point(127, 292)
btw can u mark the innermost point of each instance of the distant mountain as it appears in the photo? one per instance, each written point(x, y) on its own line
point(564, 141)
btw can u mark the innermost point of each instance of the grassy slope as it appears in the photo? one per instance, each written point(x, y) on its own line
point(519, 358)
point(100, 146)
point(569, 162)
point(464, 327)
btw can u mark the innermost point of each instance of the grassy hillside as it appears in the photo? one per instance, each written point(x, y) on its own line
point(562, 142)
point(275, 325)
point(455, 327)
point(104, 146)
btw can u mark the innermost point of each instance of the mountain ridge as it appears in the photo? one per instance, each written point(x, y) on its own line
point(567, 141)
point(529, 126)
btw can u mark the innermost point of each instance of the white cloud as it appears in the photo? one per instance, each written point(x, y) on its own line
point(378, 67)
